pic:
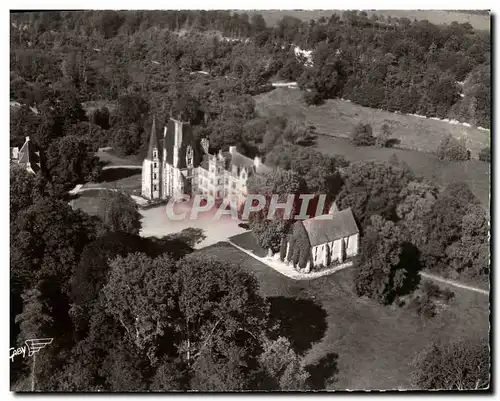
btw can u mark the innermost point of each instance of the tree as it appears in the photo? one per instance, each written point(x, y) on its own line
point(258, 23)
point(109, 23)
point(132, 109)
point(91, 275)
point(71, 160)
point(22, 190)
point(417, 199)
point(139, 294)
point(46, 241)
point(283, 183)
point(119, 212)
point(35, 322)
point(362, 135)
point(373, 188)
point(384, 136)
point(382, 269)
point(485, 155)
point(219, 309)
point(313, 98)
point(319, 171)
point(126, 140)
point(282, 367)
point(452, 149)
point(460, 365)
point(225, 133)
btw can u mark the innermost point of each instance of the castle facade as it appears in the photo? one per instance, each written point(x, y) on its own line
point(177, 164)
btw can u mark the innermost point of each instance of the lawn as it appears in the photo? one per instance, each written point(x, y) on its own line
point(88, 202)
point(107, 156)
point(336, 118)
point(127, 180)
point(366, 345)
point(481, 22)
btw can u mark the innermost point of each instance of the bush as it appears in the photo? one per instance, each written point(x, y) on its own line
point(433, 291)
point(383, 138)
point(313, 98)
point(283, 249)
point(424, 306)
point(485, 155)
point(452, 149)
point(362, 135)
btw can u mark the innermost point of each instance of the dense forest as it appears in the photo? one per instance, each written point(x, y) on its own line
point(212, 58)
point(133, 314)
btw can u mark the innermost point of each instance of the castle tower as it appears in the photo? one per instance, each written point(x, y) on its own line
point(180, 158)
point(151, 168)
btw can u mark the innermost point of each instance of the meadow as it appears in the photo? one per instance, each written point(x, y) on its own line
point(364, 345)
point(419, 137)
point(338, 117)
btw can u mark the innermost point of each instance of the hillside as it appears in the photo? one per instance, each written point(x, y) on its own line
point(478, 21)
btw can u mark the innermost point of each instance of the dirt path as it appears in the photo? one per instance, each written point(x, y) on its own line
point(454, 283)
point(312, 275)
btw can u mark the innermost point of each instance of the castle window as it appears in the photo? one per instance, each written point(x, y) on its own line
point(227, 181)
point(155, 165)
point(189, 156)
point(154, 176)
point(155, 187)
point(155, 154)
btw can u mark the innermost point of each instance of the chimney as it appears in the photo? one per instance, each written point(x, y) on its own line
point(27, 139)
point(232, 150)
point(257, 162)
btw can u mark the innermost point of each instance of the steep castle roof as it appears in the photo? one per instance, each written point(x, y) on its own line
point(330, 227)
point(153, 142)
point(28, 155)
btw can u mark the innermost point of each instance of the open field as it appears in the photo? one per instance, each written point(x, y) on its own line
point(367, 345)
point(475, 173)
point(438, 17)
point(338, 117)
point(335, 120)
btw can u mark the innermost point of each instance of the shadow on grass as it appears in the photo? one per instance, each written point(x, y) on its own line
point(116, 174)
point(323, 372)
point(302, 321)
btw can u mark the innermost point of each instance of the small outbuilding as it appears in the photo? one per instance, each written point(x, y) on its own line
point(323, 240)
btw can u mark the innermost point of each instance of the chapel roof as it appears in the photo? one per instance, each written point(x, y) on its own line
point(330, 227)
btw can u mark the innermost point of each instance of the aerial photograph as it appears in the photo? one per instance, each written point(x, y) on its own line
point(249, 201)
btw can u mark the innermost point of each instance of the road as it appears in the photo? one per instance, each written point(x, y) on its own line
point(454, 283)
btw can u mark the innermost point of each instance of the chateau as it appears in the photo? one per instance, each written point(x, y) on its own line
point(177, 163)
point(28, 157)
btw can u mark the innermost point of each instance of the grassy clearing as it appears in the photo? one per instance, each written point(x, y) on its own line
point(123, 179)
point(338, 117)
point(438, 17)
point(335, 120)
point(475, 173)
point(110, 159)
point(371, 346)
point(246, 241)
point(88, 202)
